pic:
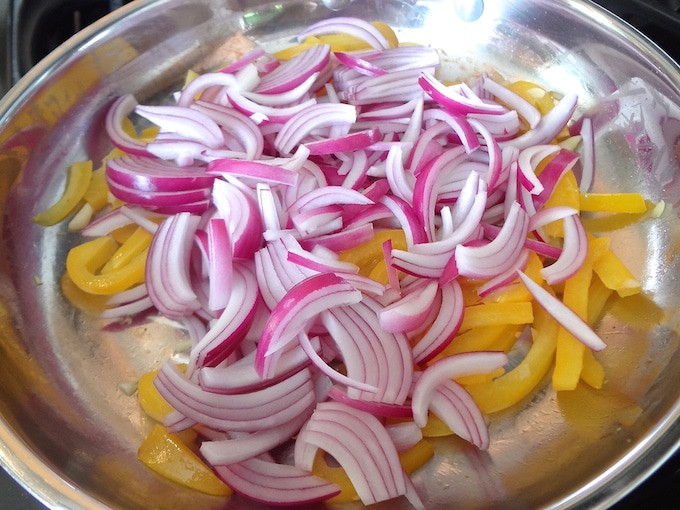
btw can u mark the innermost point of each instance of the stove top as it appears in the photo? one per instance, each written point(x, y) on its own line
point(32, 28)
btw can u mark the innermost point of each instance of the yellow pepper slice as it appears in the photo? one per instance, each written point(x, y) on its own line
point(90, 304)
point(170, 457)
point(83, 262)
point(566, 193)
point(616, 276)
point(613, 202)
point(150, 400)
point(483, 338)
point(97, 192)
point(519, 382)
point(597, 299)
point(369, 254)
point(138, 242)
point(435, 427)
point(497, 314)
point(593, 371)
point(79, 175)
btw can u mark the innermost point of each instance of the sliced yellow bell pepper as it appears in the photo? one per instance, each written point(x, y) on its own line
point(83, 262)
point(79, 176)
point(97, 192)
point(566, 193)
point(170, 457)
point(138, 242)
point(519, 382)
point(369, 254)
point(89, 303)
point(435, 427)
point(484, 338)
point(597, 299)
point(497, 314)
point(150, 400)
point(593, 372)
point(570, 351)
point(616, 276)
point(613, 202)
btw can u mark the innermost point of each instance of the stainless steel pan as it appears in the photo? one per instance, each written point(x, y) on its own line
point(70, 435)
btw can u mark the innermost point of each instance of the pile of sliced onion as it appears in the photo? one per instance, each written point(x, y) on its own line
point(261, 181)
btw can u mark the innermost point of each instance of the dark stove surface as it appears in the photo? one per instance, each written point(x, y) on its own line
point(39, 26)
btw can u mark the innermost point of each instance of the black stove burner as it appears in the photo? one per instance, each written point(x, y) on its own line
point(33, 28)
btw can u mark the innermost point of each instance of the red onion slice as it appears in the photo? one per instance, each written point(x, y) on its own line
point(567, 318)
point(346, 25)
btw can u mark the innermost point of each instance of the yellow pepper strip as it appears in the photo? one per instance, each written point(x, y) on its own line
point(566, 193)
point(367, 255)
point(496, 314)
point(336, 475)
point(480, 378)
point(138, 242)
point(435, 427)
point(614, 221)
point(616, 276)
point(170, 457)
point(97, 193)
point(613, 202)
point(519, 382)
point(416, 456)
point(570, 350)
point(517, 292)
point(150, 400)
point(122, 234)
point(571, 143)
point(379, 273)
point(83, 261)
point(484, 338)
point(79, 175)
point(593, 372)
point(597, 299)
point(90, 304)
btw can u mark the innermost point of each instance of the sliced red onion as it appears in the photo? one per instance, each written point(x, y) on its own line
point(404, 435)
point(498, 255)
point(346, 25)
point(259, 112)
point(202, 83)
point(115, 115)
point(453, 100)
point(149, 174)
point(295, 71)
point(276, 484)
point(588, 155)
point(185, 122)
point(360, 65)
point(301, 304)
point(566, 317)
point(320, 264)
point(528, 159)
point(252, 170)
point(574, 252)
point(312, 117)
point(445, 326)
point(504, 278)
point(167, 268)
point(548, 127)
point(360, 444)
point(530, 113)
point(372, 407)
point(242, 215)
point(347, 143)
point(410, 311)
point(225, 334)
point(561, 163)
point(459, 124)
point(451, 367)
point(230, 451)
point(256, 410)
point(237, 124)
point(221, 267)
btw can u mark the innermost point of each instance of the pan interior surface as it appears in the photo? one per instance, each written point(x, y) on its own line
point(70, 435)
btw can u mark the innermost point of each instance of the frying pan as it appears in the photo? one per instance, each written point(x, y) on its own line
point(67, 432)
